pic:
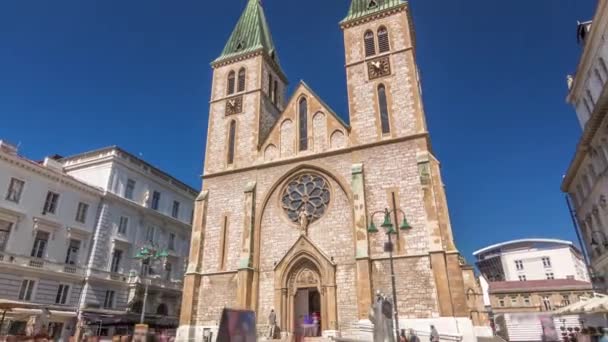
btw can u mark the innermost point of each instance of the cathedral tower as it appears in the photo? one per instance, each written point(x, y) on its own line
point(247, 94)
point(383, 86)
point(290, 191)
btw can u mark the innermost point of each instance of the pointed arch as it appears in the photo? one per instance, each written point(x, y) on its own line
point(303, 124)
point(242, 77)
point(383, 40)
point(370, 43)
point(231, 81)
point(319, 131)
point(383, 106)
point(231, 141)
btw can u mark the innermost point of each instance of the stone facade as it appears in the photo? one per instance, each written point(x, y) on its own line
point(249, 253)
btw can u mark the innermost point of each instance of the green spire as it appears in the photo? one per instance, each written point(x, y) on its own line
point(250, 34)
point(362, 8)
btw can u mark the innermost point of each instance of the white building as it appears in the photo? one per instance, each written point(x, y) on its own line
point(47, 219)
point(142, 207)
point(69, 229)
point(531, 259)
point(586, 180)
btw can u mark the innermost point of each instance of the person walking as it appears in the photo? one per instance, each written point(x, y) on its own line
point(434, 334)
point(402, 337)
point(413, 336)
point(272, 324)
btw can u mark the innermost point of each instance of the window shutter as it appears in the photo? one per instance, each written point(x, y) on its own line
point(370, 44)
point(383, 43)
point(241, 86)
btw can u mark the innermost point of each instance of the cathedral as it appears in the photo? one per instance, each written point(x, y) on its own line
point(298, 205)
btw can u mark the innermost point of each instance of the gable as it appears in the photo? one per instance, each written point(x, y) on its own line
point(325, 130)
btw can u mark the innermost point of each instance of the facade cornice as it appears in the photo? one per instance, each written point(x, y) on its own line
point(52, 175)
point(373, 16)
point(147, 211)
point(423, 135)
point(591, 47)
point(135, 164)
point(591, 128)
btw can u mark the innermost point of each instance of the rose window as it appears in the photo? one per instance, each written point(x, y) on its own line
point(307, 194)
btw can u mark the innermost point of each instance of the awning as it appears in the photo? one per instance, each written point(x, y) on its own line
point(592, 305)
point(108, 319)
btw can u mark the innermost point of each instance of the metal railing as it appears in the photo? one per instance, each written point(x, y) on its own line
point(40, 264)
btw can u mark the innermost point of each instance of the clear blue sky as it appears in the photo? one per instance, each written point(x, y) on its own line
point(77, 75)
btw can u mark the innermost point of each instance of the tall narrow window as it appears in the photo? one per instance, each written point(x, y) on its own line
point(224, 243)
point(383, 104)
point(50, 205)
point(175, 211)
point(27, 289)
point(108, 302)
point(123, 225)
point(73, 251)
point(116, 260)
point(231, 81)
point(171, 244)
point(168, 270)
point(383, 42)
point(81, 212)
point(241, 84)
point(155, 200)
point(270, 85)
point(303, 125)
point(275, 92)
point(62, 294)
point(130, 189)
point(5, 233)
point(40, 243)
point(370, 44)
point(231, 142)
point(14, 190)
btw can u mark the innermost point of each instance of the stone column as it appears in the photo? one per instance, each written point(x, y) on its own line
point(364, 284)
point(195, 262)
point(245, 275)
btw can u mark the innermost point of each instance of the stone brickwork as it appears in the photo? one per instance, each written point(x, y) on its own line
point(416, 294)
point(366, 171)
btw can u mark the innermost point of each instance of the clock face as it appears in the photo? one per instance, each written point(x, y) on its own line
point(379, 67)
point(234, 105)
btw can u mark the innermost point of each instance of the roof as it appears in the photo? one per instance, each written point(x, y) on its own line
point(522, 241)
point(538, 285)
point(251, 34)
point(362, 8)
point(154, 169)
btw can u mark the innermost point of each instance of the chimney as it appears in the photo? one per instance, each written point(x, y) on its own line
point(53, 164)
point(7, 147)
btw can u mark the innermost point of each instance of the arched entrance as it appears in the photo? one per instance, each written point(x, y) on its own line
point(305, 292)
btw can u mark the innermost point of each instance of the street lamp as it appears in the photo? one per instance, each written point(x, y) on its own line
point(389, 229)
point(147, 256)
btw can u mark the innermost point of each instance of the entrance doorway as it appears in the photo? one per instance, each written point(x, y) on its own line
point(307, 312)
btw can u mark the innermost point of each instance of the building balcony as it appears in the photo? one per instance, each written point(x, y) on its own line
point(109, 276)
point(157, 283)
point(36, 264)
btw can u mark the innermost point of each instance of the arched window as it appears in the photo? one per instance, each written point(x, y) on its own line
point(231, 83)
point(241, 84)
point(303, 124)
point(383, 43)
point(370, 44)
point(231, 141)
point(383, 104)
point(275, 92)
point(270, 85)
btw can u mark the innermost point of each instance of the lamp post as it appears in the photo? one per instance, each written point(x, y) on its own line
point(389, 229)
point(147, 256)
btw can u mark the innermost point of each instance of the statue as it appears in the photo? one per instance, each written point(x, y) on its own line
point(303, 219)
point(381, 316)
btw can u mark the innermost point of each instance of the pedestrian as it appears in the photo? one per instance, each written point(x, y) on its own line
point(434, 334)
point(272, 324)
point(402, 337)
point(413, 336)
